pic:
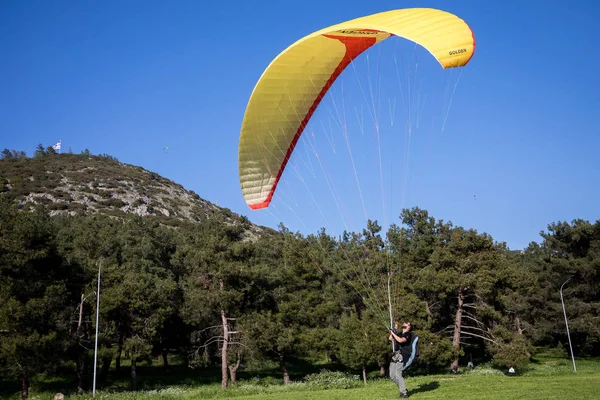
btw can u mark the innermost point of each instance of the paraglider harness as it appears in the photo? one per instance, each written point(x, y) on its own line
point(414, 352)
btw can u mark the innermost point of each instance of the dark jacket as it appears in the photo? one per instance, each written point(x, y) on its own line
point(404, 348)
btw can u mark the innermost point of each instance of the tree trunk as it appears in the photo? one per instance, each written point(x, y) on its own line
point(224, 362)
point(326, 356)
point(80, 370)
point(119, 351)
point(385, 364)
point(457, 328)
point(234, 368)
point(80, 313)
point(165, 357)
point(104, 369)
point(133, 374)
point(283, 368)
point(24, 386)
point(518, 325)
point(364, 370)
point(429, 313)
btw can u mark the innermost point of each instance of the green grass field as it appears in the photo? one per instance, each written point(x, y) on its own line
point(546, 379)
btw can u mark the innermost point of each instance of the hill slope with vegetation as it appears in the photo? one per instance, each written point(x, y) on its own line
point(78, 184)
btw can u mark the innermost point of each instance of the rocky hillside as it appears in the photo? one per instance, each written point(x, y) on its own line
point(83, 183)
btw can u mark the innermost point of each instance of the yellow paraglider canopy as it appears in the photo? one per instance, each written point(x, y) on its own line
point(292, 86)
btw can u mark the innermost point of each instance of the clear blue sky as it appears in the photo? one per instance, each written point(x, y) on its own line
point(131, 77)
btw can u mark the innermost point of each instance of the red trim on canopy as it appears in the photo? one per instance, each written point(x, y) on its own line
point(474, 44)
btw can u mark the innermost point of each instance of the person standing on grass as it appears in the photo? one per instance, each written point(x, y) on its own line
point(401, 344)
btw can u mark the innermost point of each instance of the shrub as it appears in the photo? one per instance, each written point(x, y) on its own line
point(117, 203)
point(58, 206)
point(77, 207)
point(332, 380)
point(266, 381)
point(515, 353)
point(42, 200)
point(138, 202)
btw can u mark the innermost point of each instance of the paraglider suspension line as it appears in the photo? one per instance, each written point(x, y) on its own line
point(390, 305)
